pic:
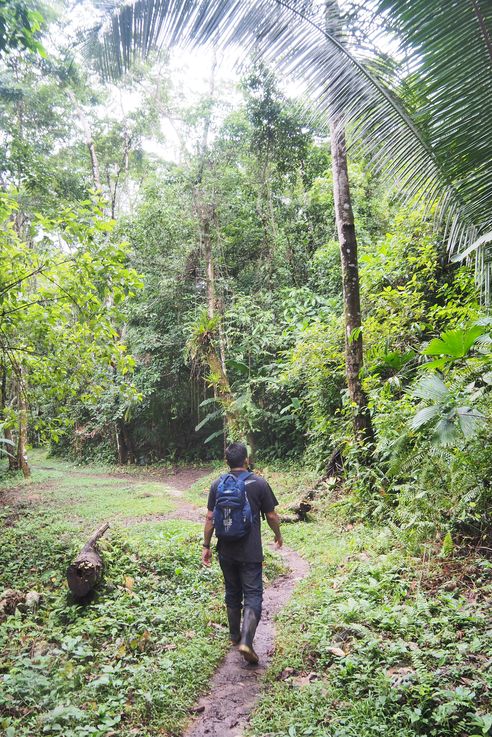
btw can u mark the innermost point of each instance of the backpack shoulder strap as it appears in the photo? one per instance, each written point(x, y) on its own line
point(243, 476)
point(222, 479)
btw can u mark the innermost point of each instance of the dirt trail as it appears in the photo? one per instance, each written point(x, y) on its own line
point(236, 685)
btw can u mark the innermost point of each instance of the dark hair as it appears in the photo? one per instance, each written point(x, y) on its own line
point(236, 454)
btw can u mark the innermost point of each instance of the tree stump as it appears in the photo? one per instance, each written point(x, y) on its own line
point(86, 570)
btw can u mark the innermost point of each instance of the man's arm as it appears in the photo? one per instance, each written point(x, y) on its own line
point(273, 521)
point(207, 537)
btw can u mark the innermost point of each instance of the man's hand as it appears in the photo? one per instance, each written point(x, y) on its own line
point(273, 521)
point(206, 557)
point(207, 537)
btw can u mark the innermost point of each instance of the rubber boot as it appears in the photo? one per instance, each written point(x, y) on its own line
point(250, 623)
point(234, 618)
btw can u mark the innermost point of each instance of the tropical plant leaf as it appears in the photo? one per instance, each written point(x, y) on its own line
point(454, 343)
point(431, 388)
point(446, 431)
point(439, 364)
point(470, 420)
point(209, 400)
point(482, 241)
point(423, 416)
point(238, 366)
point(214, 435)
point(439, 151)
point(241, 401)
point(208, 418)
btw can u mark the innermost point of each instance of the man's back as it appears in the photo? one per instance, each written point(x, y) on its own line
point(262, 500)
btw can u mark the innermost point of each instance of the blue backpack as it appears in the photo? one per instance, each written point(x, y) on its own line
point(232, 512)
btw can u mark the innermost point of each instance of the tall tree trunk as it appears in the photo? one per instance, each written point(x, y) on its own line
point(129, 442)
point(350, 276)
point(23, 420)
point(213, 355)
point(121, 444)
point(124, 444)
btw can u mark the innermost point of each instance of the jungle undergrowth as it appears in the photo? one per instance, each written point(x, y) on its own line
point(380, 640)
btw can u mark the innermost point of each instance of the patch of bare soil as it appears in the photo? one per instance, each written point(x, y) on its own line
point(183, 510)
point(235, 687)
point(19, 497)
point(179, 478)
point(175, 485)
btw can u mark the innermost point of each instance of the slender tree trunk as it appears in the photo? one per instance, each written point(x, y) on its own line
point(121, 444)
point(128, 442)
point(89, 141)
point(209, 259)
point(23, 424)
point(350, 275)
point(7, 432)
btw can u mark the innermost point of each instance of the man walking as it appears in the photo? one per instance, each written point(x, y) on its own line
point(241, 558)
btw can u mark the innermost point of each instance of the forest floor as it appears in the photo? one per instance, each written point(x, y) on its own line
point(374, 640)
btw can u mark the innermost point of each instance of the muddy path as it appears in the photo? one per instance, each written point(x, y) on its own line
point(236, 686)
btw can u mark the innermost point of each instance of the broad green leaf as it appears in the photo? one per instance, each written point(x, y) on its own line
point(454, 343)
point(238, 366)
point(214, 435)
point(210, 400)
point(446, 432)
point(208, 418)
point(470, 420)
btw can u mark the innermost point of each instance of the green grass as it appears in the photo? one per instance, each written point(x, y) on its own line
point(98, 499)
point(138, 655)
point(135, 657)
point(197, 494)
point(288, 486)
point(83, 494)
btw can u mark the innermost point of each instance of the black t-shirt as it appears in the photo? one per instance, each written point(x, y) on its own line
point(261, 499)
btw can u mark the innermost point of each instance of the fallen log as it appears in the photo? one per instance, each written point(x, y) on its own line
point(9, 601)
point(86, 570)
point(300, 512)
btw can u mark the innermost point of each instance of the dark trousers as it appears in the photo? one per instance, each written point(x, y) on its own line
point(243, 585)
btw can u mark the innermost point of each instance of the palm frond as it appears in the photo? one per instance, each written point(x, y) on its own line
point(441, 150)
point(431, 388)
point(423, 416)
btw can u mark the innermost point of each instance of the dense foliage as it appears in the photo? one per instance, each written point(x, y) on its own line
point(204, 293)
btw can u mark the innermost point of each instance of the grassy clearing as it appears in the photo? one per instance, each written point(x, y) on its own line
point(376, 643)
point(287, 485)
point(135, 659)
